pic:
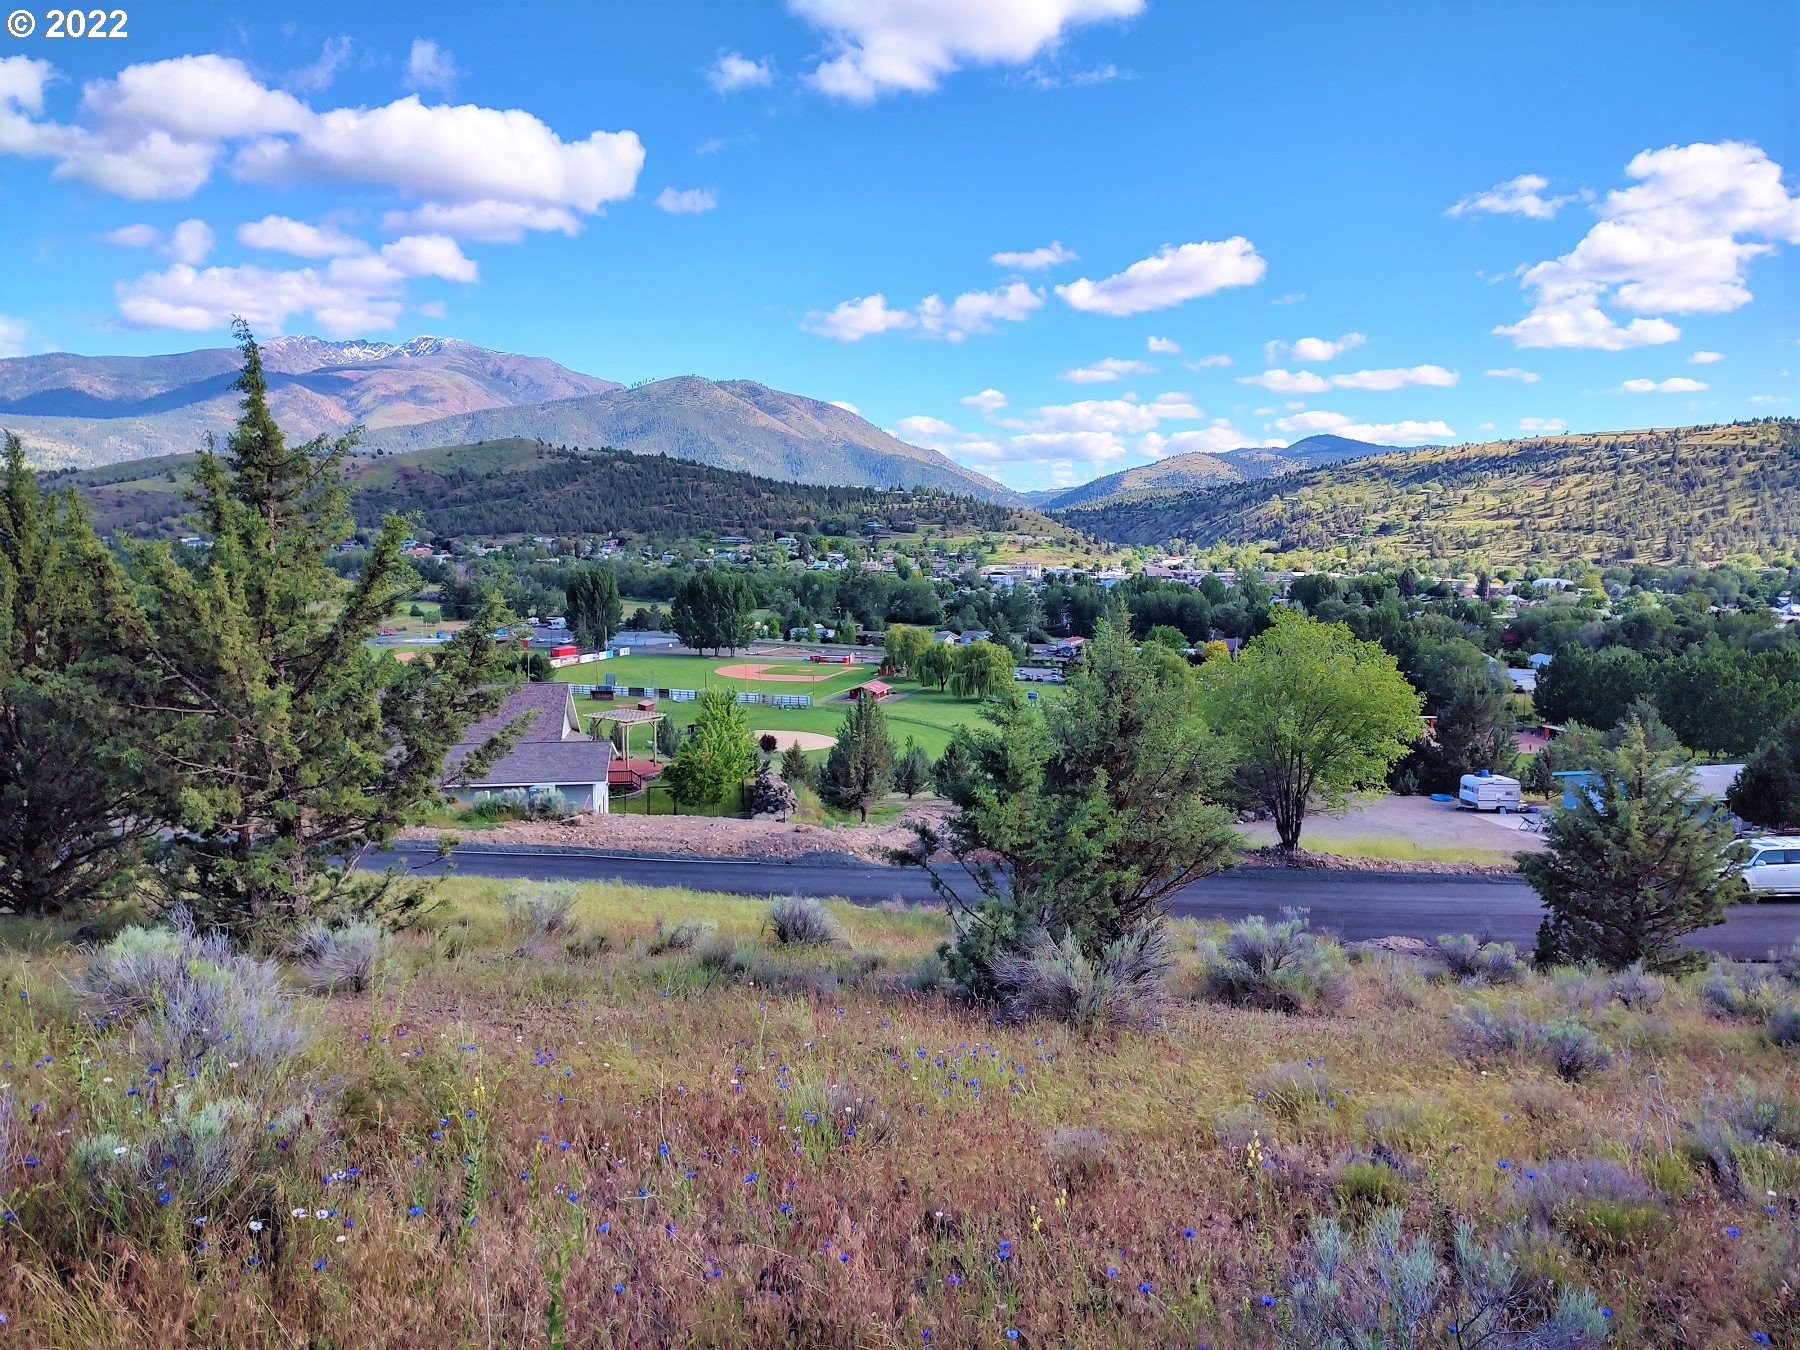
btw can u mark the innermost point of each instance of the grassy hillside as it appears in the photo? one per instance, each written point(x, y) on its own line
point(657, 1126)
point(518, 486)
point(1690, 494)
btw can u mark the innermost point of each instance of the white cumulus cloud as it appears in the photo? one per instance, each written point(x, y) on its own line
point(13, 333)
point(1375, 433)
point(854, 320)
point(686, 201)
point(883, 46)
point(1172, 275)
point(923, 429)
point(1280, 381)
point(988, 400)
point(428, 66)
point(1706, 358)
point(1680, 240)
point(1521, 196)
point(281, 234)
point(1312, 350)
point(1514, 373)
point(734, 70)
point(1163, 346)
point(951, 320)
point(1679, 384)
point(1542, 426)
point(1035, 259)
point(1208, 362)
point(1106, 370)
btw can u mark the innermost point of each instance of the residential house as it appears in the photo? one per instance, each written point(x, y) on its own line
point(550, 754)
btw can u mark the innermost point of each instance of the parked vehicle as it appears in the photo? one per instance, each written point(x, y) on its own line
point(1486, 791)
point(1773, 868)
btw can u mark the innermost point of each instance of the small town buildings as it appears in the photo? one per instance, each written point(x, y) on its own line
point(551, 754)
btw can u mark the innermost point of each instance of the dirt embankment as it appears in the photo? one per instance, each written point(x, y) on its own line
point(708, 836)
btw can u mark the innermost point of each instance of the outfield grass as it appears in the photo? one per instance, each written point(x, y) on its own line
point(654, 1125)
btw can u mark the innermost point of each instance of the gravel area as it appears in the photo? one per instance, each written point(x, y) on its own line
point(707, 836)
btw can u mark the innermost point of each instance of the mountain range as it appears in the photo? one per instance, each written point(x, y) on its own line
point(87, 411)
point(1199, 470)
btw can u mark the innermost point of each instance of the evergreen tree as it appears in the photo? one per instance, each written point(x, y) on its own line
point(1099, 805)
point(1632, 866)
point(912, 771)
point(77, 800)
point(1767, 792)
point(796, 768)
point(668, 737)
point(717, 757)
point(593, 608)
point(295, 745)
point(711, 611)
point(860, 767)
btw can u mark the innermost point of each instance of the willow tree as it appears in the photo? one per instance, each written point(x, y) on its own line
point(296, 746)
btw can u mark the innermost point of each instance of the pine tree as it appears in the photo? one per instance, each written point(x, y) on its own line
point(913, 769)
point(296, 746)
point(1632, 866)
point(796, 768)
point(860, 767)
point(77, 799)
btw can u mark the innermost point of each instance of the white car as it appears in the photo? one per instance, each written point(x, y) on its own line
point(1773, 868)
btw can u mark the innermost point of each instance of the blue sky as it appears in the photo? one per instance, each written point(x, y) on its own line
point(1219, 225)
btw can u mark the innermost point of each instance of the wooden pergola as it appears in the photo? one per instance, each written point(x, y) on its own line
point(629, 718)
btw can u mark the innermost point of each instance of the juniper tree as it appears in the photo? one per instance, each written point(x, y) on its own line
point(1099, 805)
point(295, 745)
point(77, 798)
point(796, 768)
point(860, 768)
point(1632, 866)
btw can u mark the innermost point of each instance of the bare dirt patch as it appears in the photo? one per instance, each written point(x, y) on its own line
point(806, 740)
point(745, 671)
point(708, 836)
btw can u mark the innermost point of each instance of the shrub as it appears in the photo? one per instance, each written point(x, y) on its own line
point(1282, 966)
point(190, 996)
point(799, 920)
point(1235, 1128)
point(684, 936)
point(1387, 1290)
point(341, 958)
point(1732, 990)
point(1474, 962)
point(1484, 1034)
point(1783, 1027)
point(718, 954)
point(536, 910)
point(1123, 986)
point(1636, 988)
point(1396, 1125)
point(1574, 1050)
point(1600, 1204)
point(1538, 1101)
point(1787, 964)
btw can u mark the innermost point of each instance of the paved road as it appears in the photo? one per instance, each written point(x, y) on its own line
point(1354, 904)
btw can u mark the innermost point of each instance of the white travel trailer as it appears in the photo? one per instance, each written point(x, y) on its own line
point(1486, 791)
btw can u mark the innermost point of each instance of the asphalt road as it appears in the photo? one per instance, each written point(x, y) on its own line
point(1355, 905)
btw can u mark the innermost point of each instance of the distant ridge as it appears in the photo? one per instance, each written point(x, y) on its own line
point(1201, 469)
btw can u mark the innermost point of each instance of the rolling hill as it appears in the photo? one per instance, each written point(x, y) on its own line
point(1690, 494)
point(91, 410)
point(517, 486)
point(1199, 469)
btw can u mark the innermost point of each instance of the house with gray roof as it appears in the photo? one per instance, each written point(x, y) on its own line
point(551, 753)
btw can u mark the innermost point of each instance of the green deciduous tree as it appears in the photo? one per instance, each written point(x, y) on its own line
point(1767, 792)
point(1632, 866)
point(711, 611)
point(934, 665)
point(901, 645)
point(296, 747)
point(77, 798)
point(593, 609)
point(1594, 688)
point(1312, 715)
point(717, 757)
point(860, 768)
point(1078, 819)
point(982, 670)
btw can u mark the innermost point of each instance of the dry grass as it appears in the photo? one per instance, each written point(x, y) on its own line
point(521, 1105)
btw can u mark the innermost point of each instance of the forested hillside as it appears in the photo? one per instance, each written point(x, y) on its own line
point(1684, 495)
point(515, 486)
